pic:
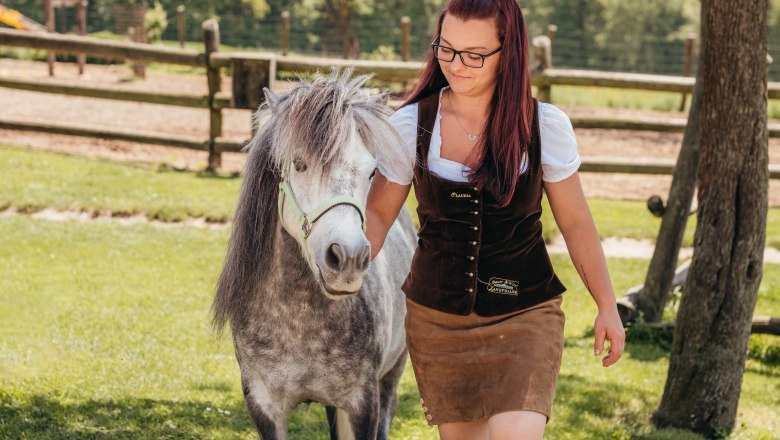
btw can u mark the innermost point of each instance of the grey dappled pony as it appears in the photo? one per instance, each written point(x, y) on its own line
point(312, 318)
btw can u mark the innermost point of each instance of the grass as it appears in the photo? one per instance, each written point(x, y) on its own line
point(39, 179)
point(35, 180)
point(106, 335)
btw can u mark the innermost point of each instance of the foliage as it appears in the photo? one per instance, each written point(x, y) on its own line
point(156, 22)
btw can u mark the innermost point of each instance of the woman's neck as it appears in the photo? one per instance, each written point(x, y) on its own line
point(472, 108)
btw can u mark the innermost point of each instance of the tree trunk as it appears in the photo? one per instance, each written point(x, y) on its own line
point(651, 299)
point(707, 360)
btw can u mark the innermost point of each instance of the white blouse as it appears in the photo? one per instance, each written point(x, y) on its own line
point(559, 147)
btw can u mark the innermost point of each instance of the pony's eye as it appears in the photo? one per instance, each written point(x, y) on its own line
point(299, 164)
point(372, 174)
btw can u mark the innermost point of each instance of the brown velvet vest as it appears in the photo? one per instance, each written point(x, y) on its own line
point(473, 255)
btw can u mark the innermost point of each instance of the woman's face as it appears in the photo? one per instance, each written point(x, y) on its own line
point(471, 35)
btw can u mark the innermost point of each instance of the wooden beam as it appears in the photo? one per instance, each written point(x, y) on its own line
point(131, 135)
point(645, 123)
point(384, 70)
point(102, 91)
point(108, 49)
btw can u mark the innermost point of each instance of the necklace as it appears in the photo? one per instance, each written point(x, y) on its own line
point(472, 137)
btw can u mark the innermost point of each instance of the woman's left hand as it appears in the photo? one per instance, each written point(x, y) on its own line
point(609, 326)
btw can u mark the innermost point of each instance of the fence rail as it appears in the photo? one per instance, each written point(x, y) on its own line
point(253, 70)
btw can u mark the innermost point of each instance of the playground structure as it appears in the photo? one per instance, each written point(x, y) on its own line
point(17, 20)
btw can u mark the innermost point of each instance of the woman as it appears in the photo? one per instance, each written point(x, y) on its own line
point(484, 326)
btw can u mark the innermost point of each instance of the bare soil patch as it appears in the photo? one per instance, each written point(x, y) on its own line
point(237, 125)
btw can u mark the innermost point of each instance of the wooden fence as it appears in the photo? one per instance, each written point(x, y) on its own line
point(251, 71)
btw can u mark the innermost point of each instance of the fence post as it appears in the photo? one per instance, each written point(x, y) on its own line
point(405, 20)
point(285, 32)
point(542, 62)
point(552, 31)
point(180, 24)
point(687, 64)
point(49, 6)
point(211, 41)
point(139, 36)
point(81, 18)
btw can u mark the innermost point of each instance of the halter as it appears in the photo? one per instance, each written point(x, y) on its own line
point(307, 220)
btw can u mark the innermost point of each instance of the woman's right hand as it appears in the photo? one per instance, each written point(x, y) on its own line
point(385, 200)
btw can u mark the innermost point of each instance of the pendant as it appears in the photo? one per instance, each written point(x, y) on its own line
point(472, 137)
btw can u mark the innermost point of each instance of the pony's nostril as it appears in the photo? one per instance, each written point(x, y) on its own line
point(334, 257)
point(363, 258)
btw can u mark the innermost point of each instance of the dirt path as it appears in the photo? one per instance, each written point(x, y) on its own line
point(237, 125)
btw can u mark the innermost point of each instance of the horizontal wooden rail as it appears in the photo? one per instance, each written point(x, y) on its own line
point(383, 70)
point(109, 49)
point(625, 80)
point(645, 123)
point(631, 165)
point(594, 164)
point(131, 135)
point(103, 91)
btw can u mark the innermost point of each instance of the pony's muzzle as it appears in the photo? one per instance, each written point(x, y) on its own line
point(345, 259)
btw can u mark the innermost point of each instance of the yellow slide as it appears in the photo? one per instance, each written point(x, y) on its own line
point(16, 20)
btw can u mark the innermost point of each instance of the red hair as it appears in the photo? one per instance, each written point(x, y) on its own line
point(507, 137)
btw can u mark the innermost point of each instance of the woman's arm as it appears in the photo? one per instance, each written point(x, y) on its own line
point(575, 221)
point(385, 200)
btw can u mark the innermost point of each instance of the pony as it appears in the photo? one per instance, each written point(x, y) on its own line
point(313, 319)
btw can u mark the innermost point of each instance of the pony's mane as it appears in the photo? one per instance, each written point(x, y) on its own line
point(313, 121)
point(316, 117)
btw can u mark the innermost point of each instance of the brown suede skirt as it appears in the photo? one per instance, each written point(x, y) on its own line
point(472, 367)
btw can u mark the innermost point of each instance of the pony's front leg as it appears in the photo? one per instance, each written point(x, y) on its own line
point(365, 418)
point(269, 419)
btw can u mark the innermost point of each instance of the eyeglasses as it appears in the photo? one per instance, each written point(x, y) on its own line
point(472, 59)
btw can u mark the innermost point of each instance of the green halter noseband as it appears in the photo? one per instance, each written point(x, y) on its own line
point(307, 220)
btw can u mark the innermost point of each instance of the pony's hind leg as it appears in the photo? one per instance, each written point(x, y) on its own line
point(388, 396)
point(271, 423)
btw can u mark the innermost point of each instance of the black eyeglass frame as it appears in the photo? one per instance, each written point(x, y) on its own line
point(460, 53)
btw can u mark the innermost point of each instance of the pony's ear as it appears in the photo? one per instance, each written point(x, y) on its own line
point(384, 97)
point(271, 98)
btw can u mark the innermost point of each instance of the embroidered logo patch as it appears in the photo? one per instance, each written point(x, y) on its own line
point(459, 195)
point(502, 286)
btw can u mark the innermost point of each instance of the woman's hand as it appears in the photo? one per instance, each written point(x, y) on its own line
point(609, 326)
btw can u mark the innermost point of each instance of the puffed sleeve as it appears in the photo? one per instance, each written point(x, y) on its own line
point(398, 166)
point(559, 145)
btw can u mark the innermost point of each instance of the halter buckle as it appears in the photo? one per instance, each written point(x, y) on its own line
point(306, 227)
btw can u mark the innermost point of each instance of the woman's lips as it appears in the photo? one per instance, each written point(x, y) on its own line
point(460, 77)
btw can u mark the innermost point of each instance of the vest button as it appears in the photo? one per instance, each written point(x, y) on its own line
point(475, 212)
point(470, 274)
point(476, 189)
point(475, 201)
point(473, 243)
point(469, 290)
point(476, 228)
point(470, 257)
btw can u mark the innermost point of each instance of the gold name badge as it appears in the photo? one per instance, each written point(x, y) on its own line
point(502, 286)
point(458, 195)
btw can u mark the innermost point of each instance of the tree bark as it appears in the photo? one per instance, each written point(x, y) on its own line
point(711, 335)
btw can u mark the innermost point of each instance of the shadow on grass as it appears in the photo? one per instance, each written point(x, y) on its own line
point(49, 416)
point(44, 417)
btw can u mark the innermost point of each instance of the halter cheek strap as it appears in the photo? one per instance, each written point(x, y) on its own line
point(307, 220)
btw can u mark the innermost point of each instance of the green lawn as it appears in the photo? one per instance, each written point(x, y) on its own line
point(106, 335)
point(37, 179)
